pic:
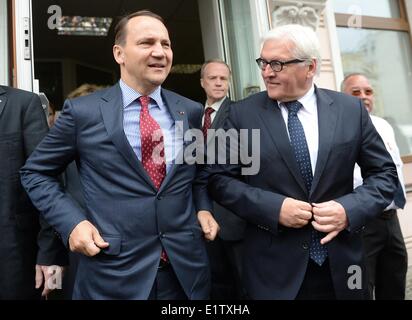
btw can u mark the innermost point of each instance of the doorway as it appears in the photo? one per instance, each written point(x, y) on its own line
point(64, 62)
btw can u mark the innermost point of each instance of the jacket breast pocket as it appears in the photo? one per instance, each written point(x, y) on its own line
point(343, 148)
point(342, 153)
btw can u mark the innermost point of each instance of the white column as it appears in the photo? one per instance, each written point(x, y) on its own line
point(23, 43)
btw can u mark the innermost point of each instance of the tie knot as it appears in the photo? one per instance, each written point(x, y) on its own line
point(293, 106)
point(144, 101)
point(209, 111)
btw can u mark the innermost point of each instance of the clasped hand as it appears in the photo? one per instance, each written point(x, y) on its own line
point(328, 217)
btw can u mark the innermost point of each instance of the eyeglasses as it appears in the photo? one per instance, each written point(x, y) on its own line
point(358, 92)
point(275, 65)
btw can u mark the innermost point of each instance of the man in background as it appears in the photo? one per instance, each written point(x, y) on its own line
point(387, 258)
point(225, 251)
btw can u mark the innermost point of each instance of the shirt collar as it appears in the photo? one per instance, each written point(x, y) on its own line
point(130, 95)
point(305, 100)
point(215, 106)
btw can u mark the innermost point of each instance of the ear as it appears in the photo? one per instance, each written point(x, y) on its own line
point(201, 83)
point(118, 54)
point(312, 68)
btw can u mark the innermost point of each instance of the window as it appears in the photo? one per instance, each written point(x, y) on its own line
point(380, 8)
point(239, 42)
point(374, 39)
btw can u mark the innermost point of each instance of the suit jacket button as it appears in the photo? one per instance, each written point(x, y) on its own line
point(305, 246)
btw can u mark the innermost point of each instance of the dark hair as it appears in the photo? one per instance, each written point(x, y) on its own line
point(120, 29)
point(202, 70)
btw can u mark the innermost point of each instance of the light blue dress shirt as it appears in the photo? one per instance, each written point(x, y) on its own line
point(159, 112)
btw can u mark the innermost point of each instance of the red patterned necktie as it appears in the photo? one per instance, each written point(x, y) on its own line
point(153, 153)
point(151, 137)
point(208, 120)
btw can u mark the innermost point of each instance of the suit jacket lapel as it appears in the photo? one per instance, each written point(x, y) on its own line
point(221, 115)
point(275, 124)
point(3, 99)
point(327, 118)
point(112, 112)
point(179, 114)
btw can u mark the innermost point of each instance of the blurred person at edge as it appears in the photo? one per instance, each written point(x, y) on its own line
point(386, 255)
point(32, 254)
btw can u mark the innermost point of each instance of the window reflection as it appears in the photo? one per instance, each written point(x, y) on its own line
point(380, 8)
point(84, 26)
point(386, 58)
point(241, 51)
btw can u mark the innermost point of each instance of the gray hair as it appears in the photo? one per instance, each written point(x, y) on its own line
point(350, 75)
point(202, 70)
point(304, 39)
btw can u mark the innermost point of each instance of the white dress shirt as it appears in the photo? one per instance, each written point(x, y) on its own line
point(388, 136)
point(308, 116)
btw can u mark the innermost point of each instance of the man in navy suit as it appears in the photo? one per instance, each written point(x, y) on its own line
point(139, 235)
point(303, 240)
point(225, 251)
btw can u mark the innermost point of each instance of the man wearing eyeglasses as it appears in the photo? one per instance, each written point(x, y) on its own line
point(387, 258)
point(302, 239)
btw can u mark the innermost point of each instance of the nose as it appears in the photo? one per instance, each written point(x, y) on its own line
point(268, 71)
point(158, 50)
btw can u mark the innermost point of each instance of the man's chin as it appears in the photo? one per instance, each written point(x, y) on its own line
point(157, 81)
point(274, 95)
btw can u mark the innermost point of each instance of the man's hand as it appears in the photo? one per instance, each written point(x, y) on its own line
point(208, 224)
point(50, 276)
point(86, 239)
point(330, 217)
point(295, 213)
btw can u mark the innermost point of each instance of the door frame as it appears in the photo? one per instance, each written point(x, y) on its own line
point(22, 60)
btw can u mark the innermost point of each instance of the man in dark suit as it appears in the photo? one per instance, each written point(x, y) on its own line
point(27, 247)
point(139, 235)
point(225, 252)
point(303, 240)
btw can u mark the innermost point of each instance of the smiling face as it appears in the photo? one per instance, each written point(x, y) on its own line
point(215, 81)
point(294, 80)
point(146, 56)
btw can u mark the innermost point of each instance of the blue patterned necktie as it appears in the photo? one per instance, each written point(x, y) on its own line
point(317, 252)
